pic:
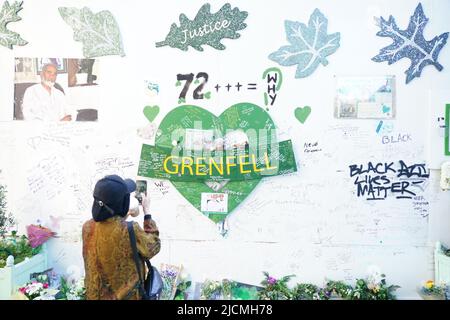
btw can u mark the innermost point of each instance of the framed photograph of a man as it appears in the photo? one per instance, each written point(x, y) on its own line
point(44, 90)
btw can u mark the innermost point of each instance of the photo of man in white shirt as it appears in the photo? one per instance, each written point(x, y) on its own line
point(43, 101)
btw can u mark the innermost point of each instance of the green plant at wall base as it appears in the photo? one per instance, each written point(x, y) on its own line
point(307, 291)
point(275, 289)
point(373, 290)
point(182, 287)
point(211, 290)
point(6, 219)
point(227, 289)
point(339, 288)
point(18, 247)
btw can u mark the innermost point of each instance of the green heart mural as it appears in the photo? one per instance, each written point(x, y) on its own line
point(242, 116)
point(302, 113)
point(151, 112)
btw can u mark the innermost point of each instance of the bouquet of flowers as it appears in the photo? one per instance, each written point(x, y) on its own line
point(307, 291)
point(37, 235)
point(430, 290)
point(275, 289)
point(373, 288)
point(18, 247)
point(169, 275)
point(72, 290)
point(38, 289)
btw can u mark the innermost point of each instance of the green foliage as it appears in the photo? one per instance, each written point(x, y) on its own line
point(365, 290)
point(6, 219)
point(307, 291)
point(372, 288)
point(211, 290)
point(71, 291)
point(339, 288)
point(18, 247)
point(275, 289)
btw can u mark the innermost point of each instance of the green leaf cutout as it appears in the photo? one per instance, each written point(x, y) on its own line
point(99, 32)
point(9, 13)
point(206, 28)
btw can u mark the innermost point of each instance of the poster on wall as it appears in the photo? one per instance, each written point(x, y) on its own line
point(365, 97)
point(447, 130)
point(73, 84)
point(214, 202)
point(438, 121)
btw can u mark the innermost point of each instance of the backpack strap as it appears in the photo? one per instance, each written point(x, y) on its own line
point(136, 256)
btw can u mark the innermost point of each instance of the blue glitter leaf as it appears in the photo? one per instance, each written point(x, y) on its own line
point(411, 44)
point(310, 45)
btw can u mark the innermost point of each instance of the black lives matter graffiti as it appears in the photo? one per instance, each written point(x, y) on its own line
point(378, 181)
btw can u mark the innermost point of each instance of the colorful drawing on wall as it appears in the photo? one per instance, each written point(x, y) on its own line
point(410, 43)
point(9, 13)
point(447, 130)
point(302, 113)
point(198, 134)
point(151, 112)
point(99, 33)
point(274, 78)
point(309, 45)
point(206, 29)
point(371, 97)
point(151, 88)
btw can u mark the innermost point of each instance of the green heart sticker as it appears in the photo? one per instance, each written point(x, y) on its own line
point(239, 117)
point(151, 112)
point(302, 113)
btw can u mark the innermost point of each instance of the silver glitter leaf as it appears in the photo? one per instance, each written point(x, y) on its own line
point(206, 28)
point(310, 45)
point(9, 13)
point(99, 33)
point(410, 43)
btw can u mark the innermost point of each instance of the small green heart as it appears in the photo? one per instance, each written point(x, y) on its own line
point(208, 95)
point(302, 113)
point(196, 81)
point(181, 100)
point(178, 84)
point(151, 112)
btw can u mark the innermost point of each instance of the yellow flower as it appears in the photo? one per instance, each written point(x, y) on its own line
point(429, 284)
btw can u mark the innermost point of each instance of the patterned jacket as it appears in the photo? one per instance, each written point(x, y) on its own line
point(108, 259)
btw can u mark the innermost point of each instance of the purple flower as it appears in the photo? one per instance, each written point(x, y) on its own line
point(271, 280)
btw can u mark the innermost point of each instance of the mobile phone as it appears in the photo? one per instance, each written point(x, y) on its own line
point(141, 190)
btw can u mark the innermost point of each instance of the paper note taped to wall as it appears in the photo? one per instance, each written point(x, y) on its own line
point(214, 202)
